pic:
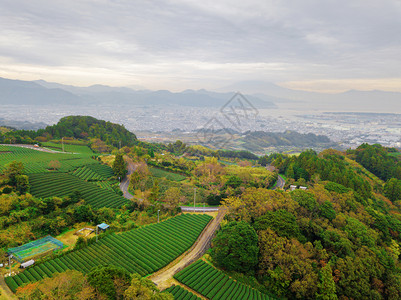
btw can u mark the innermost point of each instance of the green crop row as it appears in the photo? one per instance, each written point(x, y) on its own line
point(103, 170)
point(180, 293)
point(87, 174)
point(51, 184)
point(143, 250)
point(214, 284)
point(107, 185)
point(38, 161)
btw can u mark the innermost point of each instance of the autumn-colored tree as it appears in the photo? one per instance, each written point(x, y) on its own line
point(142, 288)
point(172, 197)
point(12, 170)
point(140, 176)
point(286, 266)
point(67, 285)
point(54, 165)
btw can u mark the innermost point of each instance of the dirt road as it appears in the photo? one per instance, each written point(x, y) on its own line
point(162, 277)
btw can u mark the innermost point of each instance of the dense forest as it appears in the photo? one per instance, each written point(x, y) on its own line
point(77, 127)
point(338, 239)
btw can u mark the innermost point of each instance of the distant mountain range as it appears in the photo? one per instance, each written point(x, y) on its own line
point(261, 94)
point(41, 92)
point(352, 100)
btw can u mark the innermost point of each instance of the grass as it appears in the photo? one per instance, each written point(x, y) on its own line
point(159, 173)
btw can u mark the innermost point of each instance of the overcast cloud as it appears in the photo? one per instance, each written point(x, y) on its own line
point(310, 44)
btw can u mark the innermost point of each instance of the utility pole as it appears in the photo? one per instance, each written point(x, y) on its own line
point(194, 195)
point(9, 262)
point(158, 216)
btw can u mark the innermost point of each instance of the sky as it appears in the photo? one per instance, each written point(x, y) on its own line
point(317, 45)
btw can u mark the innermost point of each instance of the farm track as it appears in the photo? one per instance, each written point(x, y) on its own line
point(203, 242)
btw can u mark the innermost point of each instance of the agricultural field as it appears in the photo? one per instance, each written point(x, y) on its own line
point(38, 161)
point(168, 175)
point(180, 293)
point(214, 284)
point(143, 250)
point(61, 184)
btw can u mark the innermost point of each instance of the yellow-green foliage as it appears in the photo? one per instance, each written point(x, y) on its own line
point(258, 175)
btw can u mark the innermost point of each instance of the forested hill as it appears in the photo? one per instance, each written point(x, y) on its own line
point(90, 127)
point(258, 140)
point(78, 127)
point(381, 161)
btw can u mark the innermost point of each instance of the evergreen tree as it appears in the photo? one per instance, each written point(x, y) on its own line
point(327, 287)
point(120, 166)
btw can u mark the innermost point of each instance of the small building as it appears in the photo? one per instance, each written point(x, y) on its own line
point(27, 264)
point(293, 187)
point(303, 188)
point(103, 226)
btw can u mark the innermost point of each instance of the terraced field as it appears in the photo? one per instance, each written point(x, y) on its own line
point(214, 284)
point(143, 250)
point(61, 184)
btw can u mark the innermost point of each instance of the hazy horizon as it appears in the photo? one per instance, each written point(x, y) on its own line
point(330, 46)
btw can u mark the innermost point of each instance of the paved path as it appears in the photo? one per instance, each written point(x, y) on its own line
point(161, 277)
point(199, 209)
point(280, 183)
point(124, 184)
point(36, 148)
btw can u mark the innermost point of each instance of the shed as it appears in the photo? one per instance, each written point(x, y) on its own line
point(293, 187)
point(27, 264)
point(103, 226)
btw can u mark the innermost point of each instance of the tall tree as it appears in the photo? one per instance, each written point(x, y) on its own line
point(327, 287)
point(235, 247)
point(12, 170)
point(392, 189)
point(120, 166)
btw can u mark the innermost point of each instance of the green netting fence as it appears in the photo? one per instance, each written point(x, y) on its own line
point(35, 248)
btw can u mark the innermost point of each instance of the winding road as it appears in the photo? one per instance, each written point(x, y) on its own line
point(280, 183)
point(124, 184)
